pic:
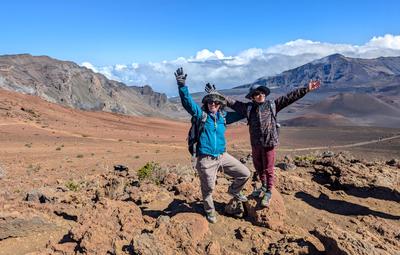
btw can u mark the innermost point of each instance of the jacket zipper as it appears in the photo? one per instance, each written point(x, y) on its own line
point(215, 134)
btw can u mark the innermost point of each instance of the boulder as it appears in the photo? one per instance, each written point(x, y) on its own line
point(341, 242)
point(42, 195)
point(271, 217)
point(23, 225)
point(105, 226)
point(180, 234)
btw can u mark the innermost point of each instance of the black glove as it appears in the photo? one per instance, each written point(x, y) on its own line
point(210, 88)
point(180, 77)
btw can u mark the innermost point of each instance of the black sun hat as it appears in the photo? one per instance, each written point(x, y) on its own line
point(257, 87)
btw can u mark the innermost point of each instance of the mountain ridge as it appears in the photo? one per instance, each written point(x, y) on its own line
point(68, 84)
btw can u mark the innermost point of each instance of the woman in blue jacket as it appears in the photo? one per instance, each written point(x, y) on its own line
point(211, 148)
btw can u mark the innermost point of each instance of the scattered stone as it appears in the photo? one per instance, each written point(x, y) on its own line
point(327, 154)
point(121, 168)
point(392, 162)
point(234, 208)
point(286, 166)
point(42, 196)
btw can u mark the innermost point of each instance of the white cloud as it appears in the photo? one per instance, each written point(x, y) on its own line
point(89, 66)
point(387, 41)
point(245, 67)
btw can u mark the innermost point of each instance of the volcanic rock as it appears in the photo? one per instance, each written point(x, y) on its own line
point(271, 217)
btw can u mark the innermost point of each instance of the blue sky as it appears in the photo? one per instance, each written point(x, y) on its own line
point(110, 32)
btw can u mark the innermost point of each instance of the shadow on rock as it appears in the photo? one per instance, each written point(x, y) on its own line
point(378, 192)
point(323, 202)
point(175, 207)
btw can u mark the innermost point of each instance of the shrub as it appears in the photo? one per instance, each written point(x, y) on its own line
point(72, 185)
point(308, 158)
point(146, 171)
point(151, 171)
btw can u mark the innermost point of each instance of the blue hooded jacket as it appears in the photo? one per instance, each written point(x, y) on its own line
point(212, 140)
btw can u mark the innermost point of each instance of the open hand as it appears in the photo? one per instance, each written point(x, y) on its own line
point(210, 88)
point(313, 85)
point(180, 77)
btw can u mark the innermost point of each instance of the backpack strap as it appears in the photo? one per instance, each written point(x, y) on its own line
point(203, 116)
point(248, 110)
point(274, 113)
point(201, 123)
point(223, 114)
point(273, 108)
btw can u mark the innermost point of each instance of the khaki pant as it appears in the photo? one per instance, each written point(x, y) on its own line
point(207, 167)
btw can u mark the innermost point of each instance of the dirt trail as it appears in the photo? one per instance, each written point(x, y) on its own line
point(343, 146)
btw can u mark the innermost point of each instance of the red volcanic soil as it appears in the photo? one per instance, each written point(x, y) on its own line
point(59, 193)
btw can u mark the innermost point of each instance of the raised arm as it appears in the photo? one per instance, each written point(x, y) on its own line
point(186, 99)
point(291, 97)
point(237, 106)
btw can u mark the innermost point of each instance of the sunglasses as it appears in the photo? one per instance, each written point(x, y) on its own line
point(258, 93)
point(214, 102)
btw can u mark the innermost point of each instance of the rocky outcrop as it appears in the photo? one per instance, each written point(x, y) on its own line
point(108, 223)
point(272, 217)
point(340, 242)
point(180, 234)
point(359, 178)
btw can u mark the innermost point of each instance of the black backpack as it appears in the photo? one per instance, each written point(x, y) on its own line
point(194, 132)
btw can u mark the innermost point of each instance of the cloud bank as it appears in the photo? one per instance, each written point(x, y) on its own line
point(245, 67)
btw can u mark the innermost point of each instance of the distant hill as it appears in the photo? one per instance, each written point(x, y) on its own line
point(318, 120)
point(69, 84)
point(354, 91)
point(355, 105)
point(338, 71)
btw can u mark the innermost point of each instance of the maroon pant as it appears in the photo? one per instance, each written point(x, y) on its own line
point(264, 161)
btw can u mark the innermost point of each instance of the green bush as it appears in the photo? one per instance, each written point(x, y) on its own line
point(150, 171)
point(308, 158)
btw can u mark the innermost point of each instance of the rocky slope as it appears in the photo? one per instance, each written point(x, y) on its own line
point(69, 84)
point(324, 204)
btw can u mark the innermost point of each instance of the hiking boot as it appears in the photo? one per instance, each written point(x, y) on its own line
point(211, 217)
point(266, 199)
point(258, 192)
point(239, 196)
